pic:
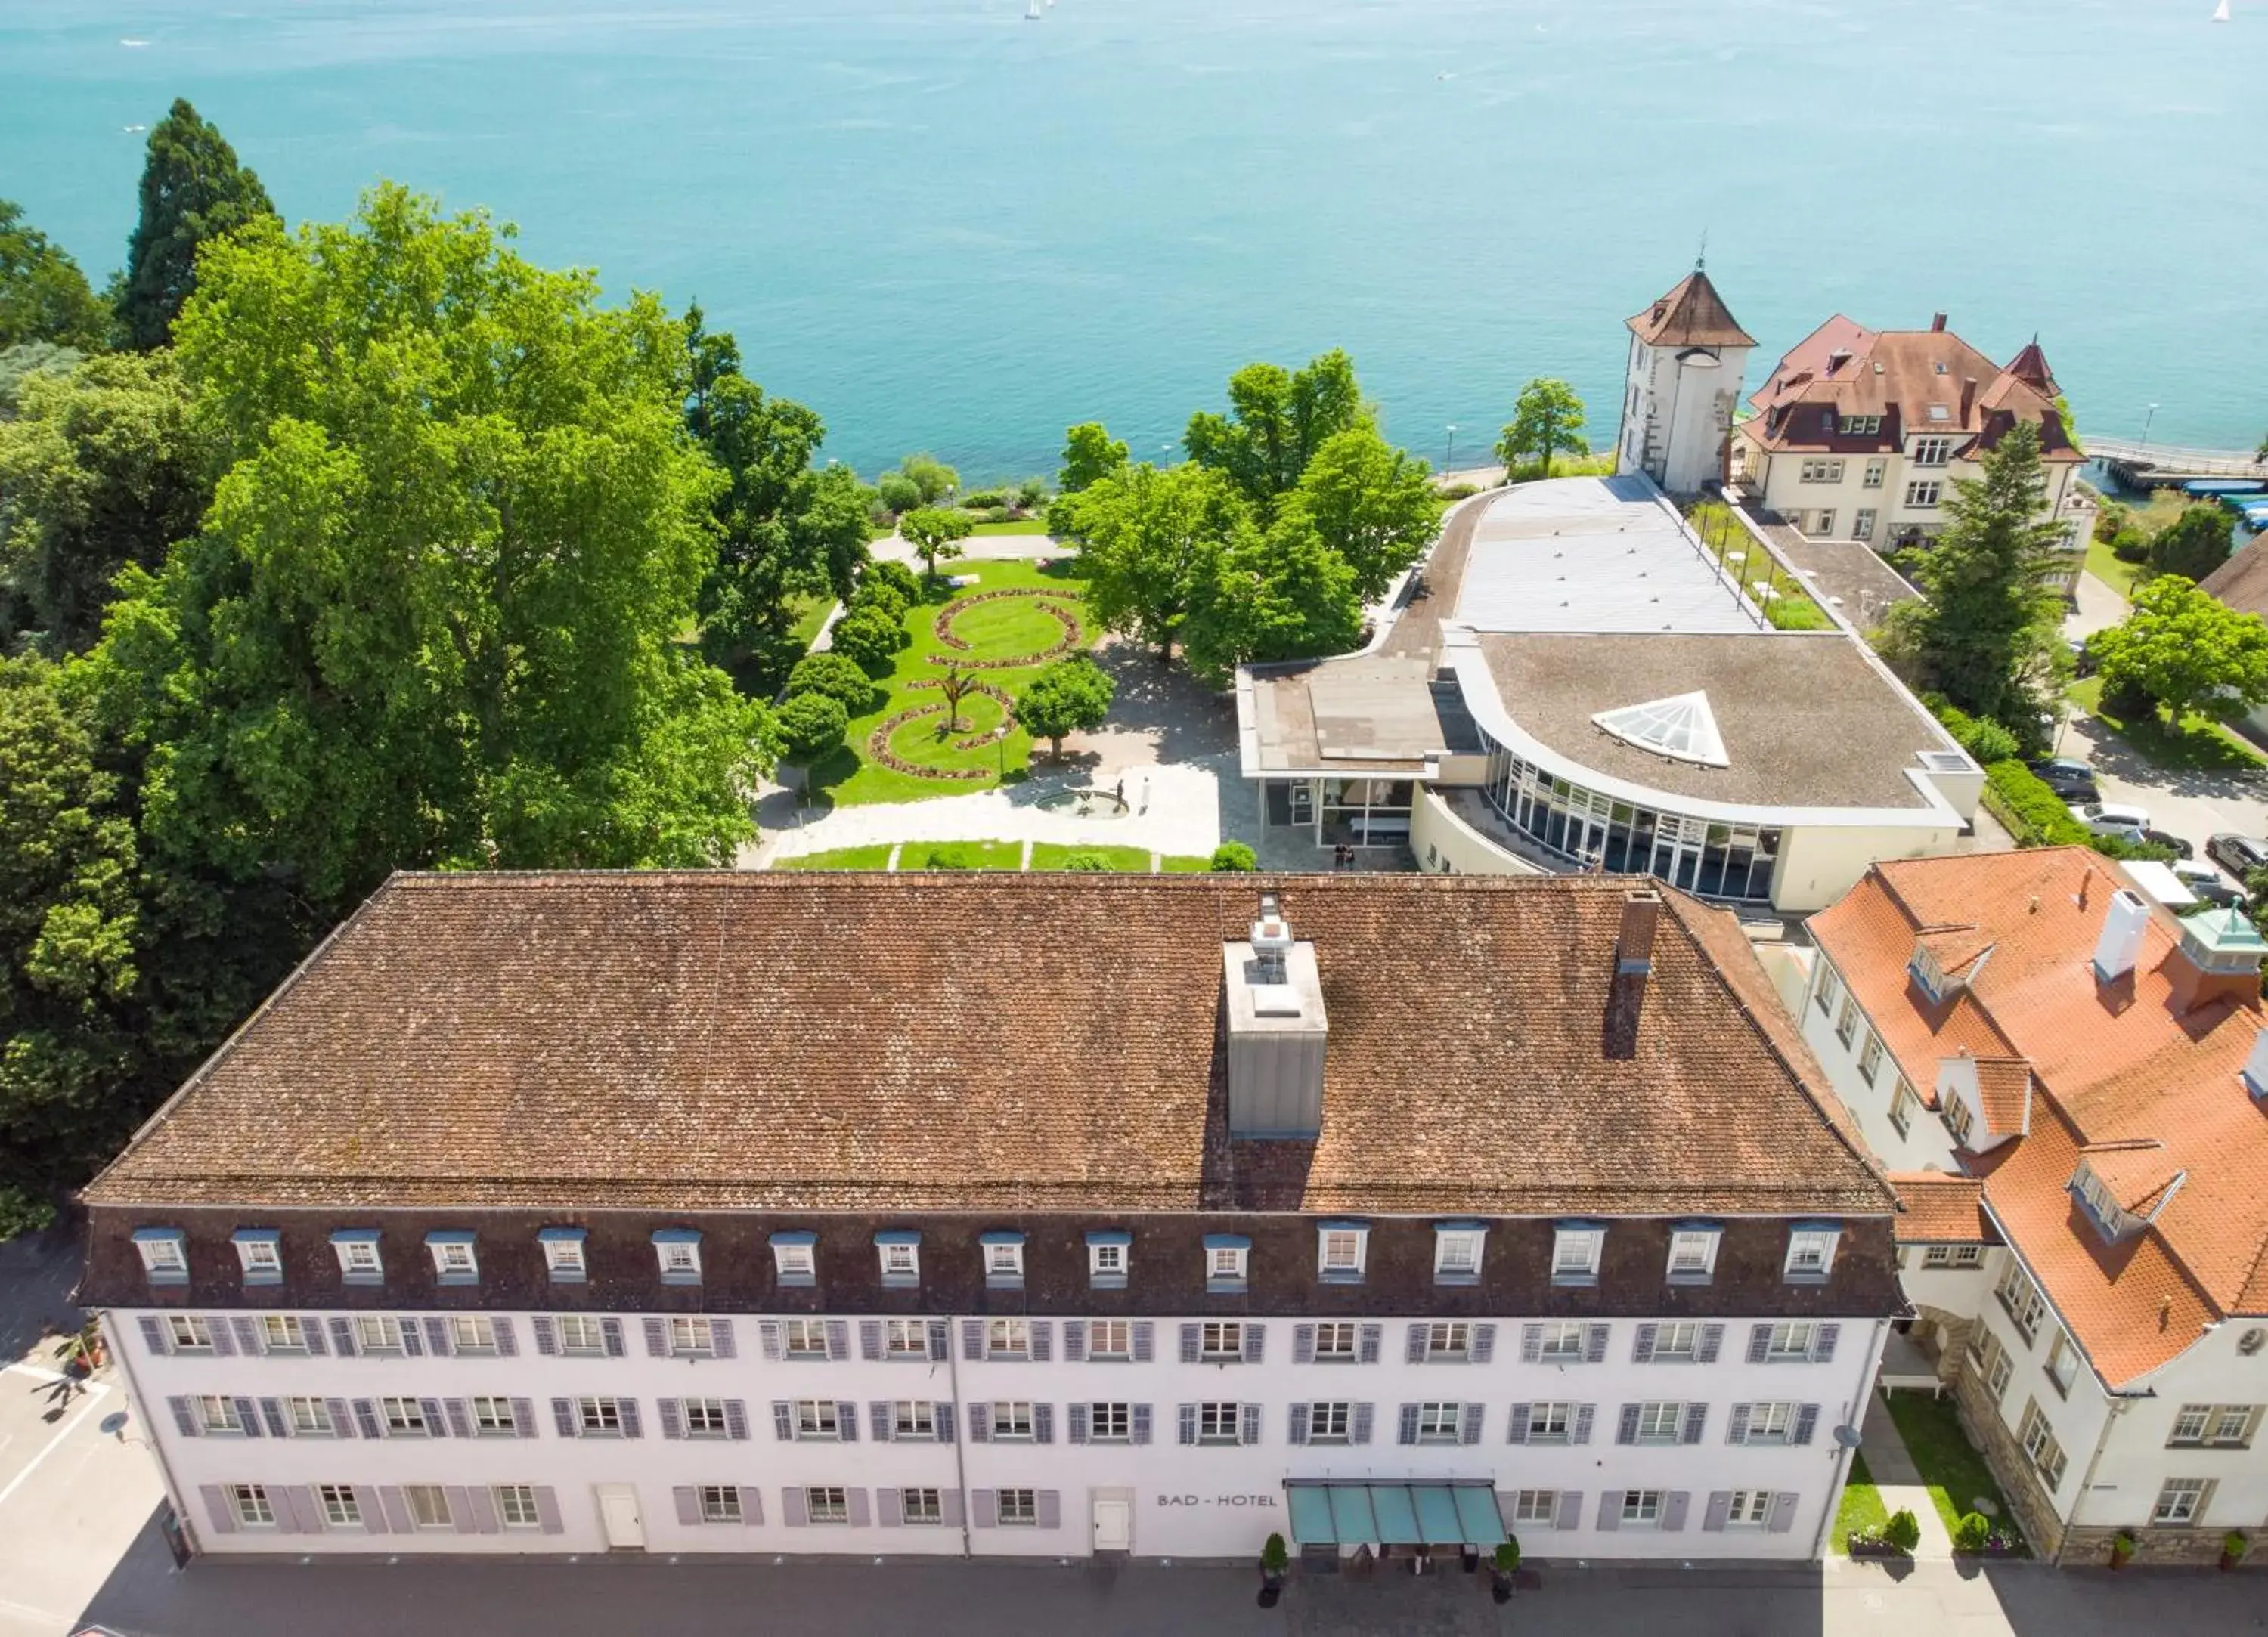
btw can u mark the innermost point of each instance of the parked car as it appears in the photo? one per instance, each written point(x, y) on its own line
point(2209, 885)
point(2239, 855)
point(2112, 819)
point(2067, 777)
point(2165, 838)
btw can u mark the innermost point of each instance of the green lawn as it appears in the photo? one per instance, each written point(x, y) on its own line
point(1956, 1474)
point(1022, 526)
point(1002, 630)
point(1862, 1505)
point(1048, 855)
point(875, 857)
point(2119, 576)
point(2197, 746)
point(962, 856)
point(811, 614)
point(1184, 864)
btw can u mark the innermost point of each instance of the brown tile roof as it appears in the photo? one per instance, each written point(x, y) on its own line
point(1936, 1208)
point(746, 1041)
point(2004, 1085)
point(2110, 1065)
point(1692, 314)
point(2137, 1172)
point(2242, 581)
point(1844, 369)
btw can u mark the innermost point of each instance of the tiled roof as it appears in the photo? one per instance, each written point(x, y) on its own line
point(1692, 314)
point(1918, 381)
point(2004, 1086)
point(940, 1042)
point(1936, 1208)
point(2242, 581)
point(2137, 1172)
point(2112, 1064)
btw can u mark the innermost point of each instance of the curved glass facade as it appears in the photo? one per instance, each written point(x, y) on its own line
point(1583, 826)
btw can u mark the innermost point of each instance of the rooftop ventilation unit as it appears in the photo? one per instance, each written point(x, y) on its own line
point(1276, 1028)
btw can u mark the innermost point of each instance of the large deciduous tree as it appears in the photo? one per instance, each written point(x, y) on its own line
point(194, 191)
point(1150, 535)
point(2187, 649)
point(433, 615)
point(1277, 419)
point(936, 532)
point(1547, 419)
point(1991, 612)
point(1373, 504)
point(1090, 455)
point(1069, 696)
point(43, 296)
point(1280, 593)
point(2194, 544)
point(101, 467)
point(783, 530)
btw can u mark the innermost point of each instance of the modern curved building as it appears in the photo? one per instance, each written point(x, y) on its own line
point(1575, 680)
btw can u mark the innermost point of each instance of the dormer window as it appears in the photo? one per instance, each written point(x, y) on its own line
point(1693, 1252)
point(1960, 1119)
point(1227, 1257)
point(261, 1250)
point(899, 1251)
point(1575, 1248)
point(1004, 1261)
point(795, 1258)
point(1108, 1252)
point(1810, 1253)
point(164, 1254)
point(453, 1262)
point(357, 1249)
point(678, 1252)
point(1457, 1252)
point(563, 1254)
point(1341, 1249)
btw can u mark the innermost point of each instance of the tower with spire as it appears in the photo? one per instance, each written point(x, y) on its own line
point(1687, 357)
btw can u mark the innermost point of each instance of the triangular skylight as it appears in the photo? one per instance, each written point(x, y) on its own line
point(1684, 727)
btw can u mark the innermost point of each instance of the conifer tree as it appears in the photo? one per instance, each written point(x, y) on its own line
point(193, 191)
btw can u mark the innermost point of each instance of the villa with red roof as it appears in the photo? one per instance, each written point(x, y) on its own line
point(1860, 434)
point(2069, 1086)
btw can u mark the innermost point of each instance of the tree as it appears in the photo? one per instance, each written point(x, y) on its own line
point(897, 491)
point(931, 478)
point(1547, 419)
point(1090, 455)
point(835, 675)
point(784, 532)
point(1277, 594)
point(869, 639)
point(1148, 534)
point(102, 467)
point(1373, 504)
point(2187, 649)
point(193, 193)
point(1991, 612)
point(1069, 696)
point(433, 615)
point(812, 727)
point(2194, 544)
point(953, 686)
point(936, 532)
point(43, 296)
point(1277, 419)
point(1232, 858)
point(20, 363)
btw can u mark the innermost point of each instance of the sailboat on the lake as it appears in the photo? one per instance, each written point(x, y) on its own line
point(2220, 12)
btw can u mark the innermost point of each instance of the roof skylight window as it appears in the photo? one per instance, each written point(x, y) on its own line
point(1683, 727)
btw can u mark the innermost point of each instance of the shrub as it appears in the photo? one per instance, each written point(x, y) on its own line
point(1234, 858)
point(983, 500)
point(1989, 742)
point(883, 597)
point(1508, 1555)
point(996, 514)
point(1459, 491)
point(1274, 1556)
point(896, 575)
point(1972, 1533)
point(2233, 1545)
point(2111, 520)
point(1032, 493)
point(1090, 863)
point(898, 492)
point(1903, 1531)
point(869, 639)
point(2125, 700)
point(835, 675)
point(2131, 545)
point(1796, 613)
point(811, 726)
point(2035, 815)
point(945, 858)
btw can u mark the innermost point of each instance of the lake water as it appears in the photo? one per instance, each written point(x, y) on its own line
point(944, 225)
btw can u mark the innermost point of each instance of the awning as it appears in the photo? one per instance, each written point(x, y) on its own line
point(1394, 1514)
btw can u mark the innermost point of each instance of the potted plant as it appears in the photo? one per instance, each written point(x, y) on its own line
point(82, 1354)
point(1902, 1532)
point(2233, 1548)
point(1275, 1562)
point(1504, 1571)
point(2122, 1548)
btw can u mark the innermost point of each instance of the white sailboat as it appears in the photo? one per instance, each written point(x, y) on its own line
point(1032, 11)
point(2220, 12)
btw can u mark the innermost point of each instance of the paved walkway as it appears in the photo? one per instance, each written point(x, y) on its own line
point(1899, 1481)
point(2098, 607)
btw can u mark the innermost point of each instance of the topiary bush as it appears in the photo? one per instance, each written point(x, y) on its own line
point(1972, 1533)
point(1088, 863)
point(1903, 1531)
point(835, 675)
point(2131, 545)
point(1234, 858)
point(883, 599)
point(946, 858)
point(869, 640)
point(896, 575)
point(811, 726)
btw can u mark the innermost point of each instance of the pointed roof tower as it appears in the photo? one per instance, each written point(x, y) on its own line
point(2030, 366)
point(1692, 314)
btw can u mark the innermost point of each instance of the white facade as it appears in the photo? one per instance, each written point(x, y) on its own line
point(1678, 412)
point(1160, 1498)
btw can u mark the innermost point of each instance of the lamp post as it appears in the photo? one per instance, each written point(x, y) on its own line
point(2146, 419)
point(1449, 461)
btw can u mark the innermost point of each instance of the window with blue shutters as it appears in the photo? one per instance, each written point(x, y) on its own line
point(898, 1250)
point(1109, 1252)
point(795, 1258)
point(564, 1256)
point(678, 1252)
point(454, 1260)
point(1003, 1251)
point(164, 1254)
point(357, 1251)
point(259, 1251)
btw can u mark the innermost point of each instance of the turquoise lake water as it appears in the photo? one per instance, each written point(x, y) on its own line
point(944, 225)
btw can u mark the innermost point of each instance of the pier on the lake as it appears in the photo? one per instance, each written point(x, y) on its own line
point(2136, 465)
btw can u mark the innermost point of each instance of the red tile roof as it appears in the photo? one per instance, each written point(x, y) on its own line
point(1692, 314)
point(1938, 1207)
point(941, 1042)
point(2112, 1065)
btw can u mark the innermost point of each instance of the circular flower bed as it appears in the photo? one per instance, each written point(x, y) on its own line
point(1054, 604)
point(877, 742)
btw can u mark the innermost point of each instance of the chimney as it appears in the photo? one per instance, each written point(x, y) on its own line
point(1633, 965)
point(1937, 323)
point(1967, 397)
point(1273, 995)
point(2120, 946)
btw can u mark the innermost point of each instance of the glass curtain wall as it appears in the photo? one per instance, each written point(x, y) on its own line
point(1585, 827)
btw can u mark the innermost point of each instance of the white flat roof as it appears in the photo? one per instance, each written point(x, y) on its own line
point(1596, 554)
point(2158, 882)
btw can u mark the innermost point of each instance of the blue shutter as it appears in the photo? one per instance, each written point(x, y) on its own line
point(413, 1346)
point(666, 1411)
point(343, 1338)
point(1531, 1344)
point(1141, 1423)
point(1642, 1348)
point(1759, 1342)
point(1074, 1341)
point(247, 1335)
point(943, 1416)
point(1610, 1509)
point(523, 1418)
point(1517, 1433)
point(1256, 1343)
point(1807, 1422)
point(720, 1338)
point(1145, 1340)
point(247, 1415)
point(1075, 1423)
point(460, 1423)
point(784, 1420)
point(870, 1339)
point(1718, 1508)
point(630, 1428)
point(688, 1504)
point(1044, 1342)
point(1696, 1421)
point(1736, 1425)
point(980, 1423)
point(224, 1345)
point(768, 1338)
point(1413, 1351)
point(1189, 1419)
point(507, 1345)
point(546, 1334)
point(972, 1338)
point(311, 1332)
point(1472, 1429)
point(736, 1421)
point(1368, 1341)
point(1408, 1434)
point(436, 1336)
point(846, 1422)
point(611, 1329)
point(153, 1335)
point(436, 1426)
point(1484, 1344)
point(1822, 1346)
point(1249, 1424)
point(1594, 1344)
point(185, 1417)
point(1674, 1507)
point(1628, 1431)
point(366, 1420)
point(1585, 1414)
point(1043, 1423)
point(343, 1425)
point(838, 1339)
point(878, 1421)
point(1712, 1338)
point(657, 1338)
point(1303, 1346)
point(1192, 1343)
point(1298, 1428)
point(1362, 1422)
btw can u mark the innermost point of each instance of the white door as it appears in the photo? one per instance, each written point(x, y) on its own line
point(618, 1516)
point(1114, 1525)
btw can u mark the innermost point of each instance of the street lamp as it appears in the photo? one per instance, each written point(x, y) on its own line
point(2146, 423)
point(1449, 464)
